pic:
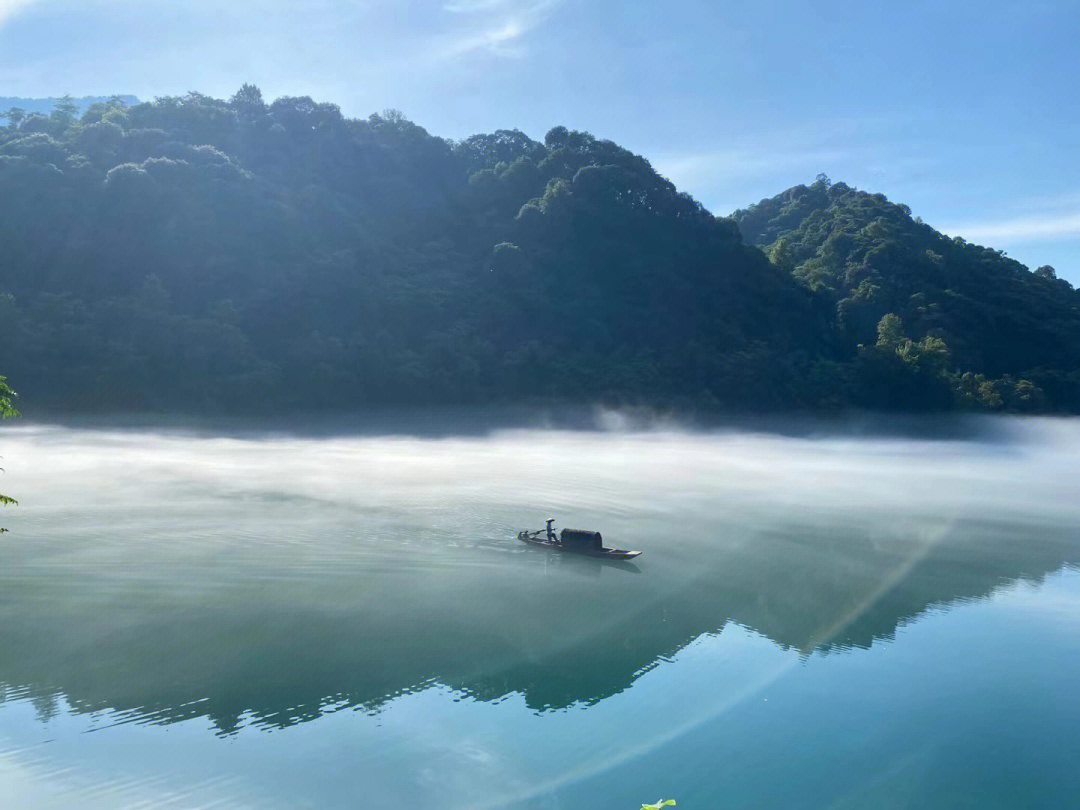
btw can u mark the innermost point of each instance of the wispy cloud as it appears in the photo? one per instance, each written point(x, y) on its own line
point(9, 8)
point(801, 149)
point(1020, 229)
point(499, 41)
point(496, 27)
point(474, 6)
point(748, 162)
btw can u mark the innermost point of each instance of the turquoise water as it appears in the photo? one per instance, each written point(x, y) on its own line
point(819, 618)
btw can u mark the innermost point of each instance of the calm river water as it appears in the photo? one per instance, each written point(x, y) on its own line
point(819, 619)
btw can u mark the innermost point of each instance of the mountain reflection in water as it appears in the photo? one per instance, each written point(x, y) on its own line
point(267, 579)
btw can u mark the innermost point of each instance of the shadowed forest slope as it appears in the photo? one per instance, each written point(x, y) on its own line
point(233, 255)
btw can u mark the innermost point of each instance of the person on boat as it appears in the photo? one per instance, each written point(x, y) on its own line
point(551, 532)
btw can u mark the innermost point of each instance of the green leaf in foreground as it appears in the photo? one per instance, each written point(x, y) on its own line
point(659, 804)
point(7, 410)
point(7, 396)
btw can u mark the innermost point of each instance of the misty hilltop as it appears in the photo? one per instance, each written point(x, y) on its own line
point(14, 108)
point(236, 255)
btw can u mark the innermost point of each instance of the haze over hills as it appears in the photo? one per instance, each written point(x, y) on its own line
point(45, 106)
point(193, 253)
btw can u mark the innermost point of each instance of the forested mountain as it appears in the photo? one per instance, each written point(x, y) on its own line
point(194, 253)
point(864, 257)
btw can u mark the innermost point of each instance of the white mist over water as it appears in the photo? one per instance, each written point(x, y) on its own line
point(184, 592)
point(1002, 462)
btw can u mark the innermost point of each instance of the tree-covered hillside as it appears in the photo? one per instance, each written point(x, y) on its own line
point(865, 258)
point(194, 253)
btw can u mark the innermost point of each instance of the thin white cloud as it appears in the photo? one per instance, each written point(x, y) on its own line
point(498, 41)
point(804, 148)
point(9, 8)
point(474, 6)
point(499, 26)
point(727, 163)
point(1021, 229)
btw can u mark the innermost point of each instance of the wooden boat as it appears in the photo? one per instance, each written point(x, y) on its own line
point(590, 549)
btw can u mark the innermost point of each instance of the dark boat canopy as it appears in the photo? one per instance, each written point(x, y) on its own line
point(581, 539)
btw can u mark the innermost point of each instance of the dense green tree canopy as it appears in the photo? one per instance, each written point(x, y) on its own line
point(194, 253)
point(866, 259)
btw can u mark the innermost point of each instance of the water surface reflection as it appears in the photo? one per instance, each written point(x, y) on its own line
point(819, 618)
point(167, 577)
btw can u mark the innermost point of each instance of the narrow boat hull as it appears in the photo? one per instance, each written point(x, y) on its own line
point(603, 553)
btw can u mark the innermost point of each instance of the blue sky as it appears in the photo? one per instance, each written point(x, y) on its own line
point(967, 112)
